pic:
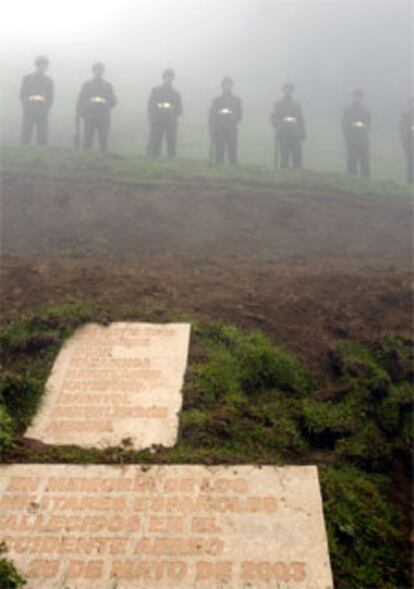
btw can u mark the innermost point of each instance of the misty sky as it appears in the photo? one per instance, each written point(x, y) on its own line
point(327, 47)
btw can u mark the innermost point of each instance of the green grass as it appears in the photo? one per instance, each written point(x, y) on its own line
point(61, 163)
point(9, 576)
point(248, 400)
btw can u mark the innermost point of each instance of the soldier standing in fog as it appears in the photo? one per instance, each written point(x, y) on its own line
point(36, 95)
point(289, 124)
point(224, 118)
point(164, 108)
point(96, 100)
point(356, 127)
point(407, 138)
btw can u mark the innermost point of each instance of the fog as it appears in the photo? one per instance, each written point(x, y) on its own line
point(326, 47)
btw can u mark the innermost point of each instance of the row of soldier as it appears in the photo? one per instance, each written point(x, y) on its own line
point(97, 99)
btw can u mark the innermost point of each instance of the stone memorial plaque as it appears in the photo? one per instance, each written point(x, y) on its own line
point(115, 383)
point(165, 527)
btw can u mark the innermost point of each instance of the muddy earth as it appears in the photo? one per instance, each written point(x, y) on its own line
point(307, 270)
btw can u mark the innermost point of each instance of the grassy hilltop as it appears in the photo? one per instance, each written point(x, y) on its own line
point(64, 163)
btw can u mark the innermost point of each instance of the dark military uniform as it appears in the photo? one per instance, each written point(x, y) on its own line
point(356, 127)
point(224, 117)
point(407, 138)
point(36, 95)
point(96, 100)
point(164, 108)
point(289, 124)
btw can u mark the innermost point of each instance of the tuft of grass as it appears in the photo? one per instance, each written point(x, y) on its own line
point(10, 578)
point(6, 429)
point(363, 530)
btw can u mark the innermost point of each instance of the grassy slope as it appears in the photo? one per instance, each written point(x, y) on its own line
point(245, 399)
point(248, 400)
point(61, 163)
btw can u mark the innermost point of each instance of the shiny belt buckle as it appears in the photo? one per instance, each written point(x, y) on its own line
point(98, 100)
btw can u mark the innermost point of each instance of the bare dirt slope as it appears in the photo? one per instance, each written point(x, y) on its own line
point(306, 269)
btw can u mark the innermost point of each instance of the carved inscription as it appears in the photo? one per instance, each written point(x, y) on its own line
point(172, 526)
point(115, 383)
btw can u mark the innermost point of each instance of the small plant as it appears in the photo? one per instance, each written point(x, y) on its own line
point(9, 576)
point(6, 430)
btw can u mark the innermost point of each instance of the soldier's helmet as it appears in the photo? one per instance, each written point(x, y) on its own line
point(358, 94)
point(98, 68)
point(42, 60)
point(168, 74)
point(227, 81)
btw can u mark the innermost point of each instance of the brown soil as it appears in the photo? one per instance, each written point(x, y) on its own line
point(308, 270)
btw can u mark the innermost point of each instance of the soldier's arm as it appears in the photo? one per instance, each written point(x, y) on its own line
point(81, 102)
point(345, 125)
point(369, 122)
point(302, 124)
point(179, 105)
point(403, 131)
point(113, 101)
point(151, 103)
point(240, 111)
point(273, 117)
point(51, 94)
point(276, 115)
point(23, 90)
point(212, 117)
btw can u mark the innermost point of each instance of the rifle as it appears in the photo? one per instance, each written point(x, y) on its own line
point(149, 146)
point(212, 150)
point(77, 137)
point(276, 155)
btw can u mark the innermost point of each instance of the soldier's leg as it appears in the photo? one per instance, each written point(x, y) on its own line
point(296, 153)
point(42, 128)
point(232, 146)
point(171, 138)
point(291, 151)
point(220, 146)
point(88, 132)
point(365, 161)
point(157, 133)
point(276, 151)
point(27, 128)
point(284, 152)
point(410, 165)
point(352, 164)
point(103, 126)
